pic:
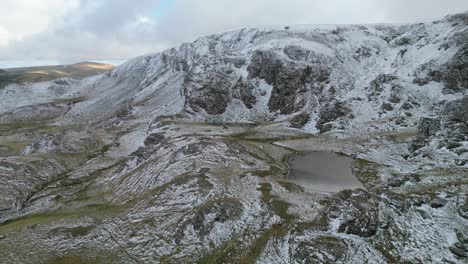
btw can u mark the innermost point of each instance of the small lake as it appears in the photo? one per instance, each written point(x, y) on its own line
point(323, 172)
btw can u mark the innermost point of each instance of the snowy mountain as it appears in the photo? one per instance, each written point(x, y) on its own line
point(182, 155)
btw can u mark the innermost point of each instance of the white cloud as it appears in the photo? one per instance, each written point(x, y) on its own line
point(4, 37)
point(25, 17)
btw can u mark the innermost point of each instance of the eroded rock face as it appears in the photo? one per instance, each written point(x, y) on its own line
point(428, 127)
point(243, 90)
point(170, 181)
point(210, 94)
point(356, 212)
point(455, 76)
point(331, 112)
point(452, 74)
point(457, 110)
point(290, 80)
point(295, 52)
point(377, 85)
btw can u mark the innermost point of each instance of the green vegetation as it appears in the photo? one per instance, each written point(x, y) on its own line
point(37, 127)
point(72, 100)
point(86, 256)
point(228, 252)
point(367, 172)
point(71, 260)
point(93, 210)
point(14, 147)
point(280, 207)
point(239, 251)
point(49, 73)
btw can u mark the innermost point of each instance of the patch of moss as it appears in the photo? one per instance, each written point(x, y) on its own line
point(43, 126)
point(262, 173)
point(291, 187)
point(94, 210)
point(262, 137)
point(367, 172)
point(80, 230)
point(99, 152)
point(87, 256)
point(227, 253)
point(257, 247)
point(14, 147)
point(386, 250)
point(240, 250)
point(280, 207)
point(71, 260)
point(72, 100)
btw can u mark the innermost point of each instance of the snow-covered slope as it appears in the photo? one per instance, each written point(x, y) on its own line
point(267, 74)
point(167, 158)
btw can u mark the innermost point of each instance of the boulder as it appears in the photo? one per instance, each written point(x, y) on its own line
point(243, 91)
point(299, 120)
point(386, 107)
point(463, 209)
point(428, 127)
point(438, 203)
point(377, 85)
point(457, 251)
point(398, 180)
point(457, 110)
point(455, 73)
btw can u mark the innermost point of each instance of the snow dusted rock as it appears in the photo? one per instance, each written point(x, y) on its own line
point(458, 252)
point(457, 110)
point(438, 202)
point(300, 120)
point(351, 212)
point(331, 113)
point(398, 180)
point(320, 250)
point(463, 209)
point(428, 127)
point(168, 157)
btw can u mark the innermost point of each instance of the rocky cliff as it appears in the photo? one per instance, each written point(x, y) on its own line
point(181, 156)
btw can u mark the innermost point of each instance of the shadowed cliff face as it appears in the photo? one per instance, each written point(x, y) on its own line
point(182, 156)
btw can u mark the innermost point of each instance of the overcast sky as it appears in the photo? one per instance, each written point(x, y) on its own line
point(76, 30)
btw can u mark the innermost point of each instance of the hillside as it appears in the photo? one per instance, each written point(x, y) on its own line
point(185, 155)
point(48, 73)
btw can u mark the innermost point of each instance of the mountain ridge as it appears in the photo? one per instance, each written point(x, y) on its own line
point(182, 155)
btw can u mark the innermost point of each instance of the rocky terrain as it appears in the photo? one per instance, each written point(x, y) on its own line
point(182, 156)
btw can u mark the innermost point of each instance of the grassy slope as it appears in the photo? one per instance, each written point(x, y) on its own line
point(47, 73)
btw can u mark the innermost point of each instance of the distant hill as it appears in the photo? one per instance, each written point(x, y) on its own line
point(48, 73)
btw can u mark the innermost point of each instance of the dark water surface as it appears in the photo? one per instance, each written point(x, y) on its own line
point(323, 172)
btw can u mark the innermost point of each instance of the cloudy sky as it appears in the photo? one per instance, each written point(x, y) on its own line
point(77, 30)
